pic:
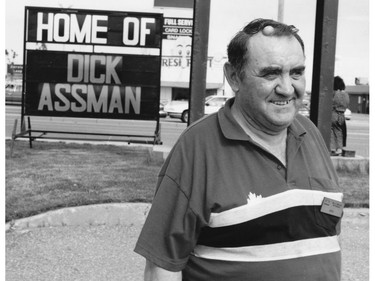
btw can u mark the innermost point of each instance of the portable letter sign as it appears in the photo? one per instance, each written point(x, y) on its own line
point(96, 64)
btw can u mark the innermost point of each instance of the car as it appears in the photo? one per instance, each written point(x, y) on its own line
point(348, 114)
point(13, 93)
point(180, 108)
point(304, 110)
point(162, 113)
point(177, 109)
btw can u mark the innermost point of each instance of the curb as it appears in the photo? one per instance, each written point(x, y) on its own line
point(90, 215)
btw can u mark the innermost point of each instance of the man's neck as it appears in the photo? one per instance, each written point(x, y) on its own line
point(273, 143)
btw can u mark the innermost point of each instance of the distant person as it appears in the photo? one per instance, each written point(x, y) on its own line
point(249, 192)
point(338, 126)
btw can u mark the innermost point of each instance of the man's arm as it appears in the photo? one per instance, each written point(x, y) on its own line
point(155, 273)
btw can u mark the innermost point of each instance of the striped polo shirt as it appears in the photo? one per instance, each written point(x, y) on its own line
point(226, 209)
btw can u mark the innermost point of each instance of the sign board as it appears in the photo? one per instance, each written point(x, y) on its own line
point(175, 27)
point(176, 59)
point(15, 69)
point(116, 75)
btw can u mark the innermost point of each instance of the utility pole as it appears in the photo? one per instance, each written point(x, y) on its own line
point(324, 66)
point(198, 69)
point(280, 13)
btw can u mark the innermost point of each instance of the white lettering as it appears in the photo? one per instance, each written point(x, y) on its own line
point(66, 104)
point(96, 28)
point(170, 21)
point(172, 30)
point(65, 28)
point(86, 67)
point(94, 61)
point(94, 104)
point(61, 24)
point(78, 89)
point(110, 70)
point(115, 101)
point(45, 98)
point(127, 22)
point(144, 30)
point(44, 26)
point(77, 34)
point(75, 60)
point(90, 98)
point(133, 96)
point(96, 69)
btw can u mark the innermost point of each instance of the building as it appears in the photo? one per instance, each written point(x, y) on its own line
point(175, 70)
point(359, 98)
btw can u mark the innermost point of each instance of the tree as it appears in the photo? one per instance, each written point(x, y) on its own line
point(11, 56)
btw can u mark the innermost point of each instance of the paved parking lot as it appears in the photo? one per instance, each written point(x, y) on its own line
point(100, 251)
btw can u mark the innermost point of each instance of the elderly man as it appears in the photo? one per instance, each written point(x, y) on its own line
point(249, 193)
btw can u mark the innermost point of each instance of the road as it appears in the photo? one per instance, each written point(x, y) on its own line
point(358, 128)
point(358, 134)
point(170, 128)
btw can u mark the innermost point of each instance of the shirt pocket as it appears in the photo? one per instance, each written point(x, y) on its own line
point(329, 223)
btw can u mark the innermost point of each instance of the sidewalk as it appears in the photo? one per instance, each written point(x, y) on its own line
point(96, 243)
point(82, 243)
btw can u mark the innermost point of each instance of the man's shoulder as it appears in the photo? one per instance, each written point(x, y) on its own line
point(204, 126)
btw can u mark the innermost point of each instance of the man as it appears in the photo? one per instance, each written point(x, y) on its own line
point(240, 197)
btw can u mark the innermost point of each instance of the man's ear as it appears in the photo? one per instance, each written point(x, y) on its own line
point(232, 77)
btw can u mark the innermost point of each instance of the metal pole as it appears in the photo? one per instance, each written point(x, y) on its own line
point(280, 13)
point(26, 15)
point(324, 66)
point(198, 69)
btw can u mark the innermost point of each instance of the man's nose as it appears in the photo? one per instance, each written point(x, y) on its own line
point(285, 86)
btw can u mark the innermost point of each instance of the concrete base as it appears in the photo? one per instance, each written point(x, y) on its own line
point(351, 164)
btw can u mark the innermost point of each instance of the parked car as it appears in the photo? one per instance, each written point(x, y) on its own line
point(13, 93)
point(180, 108)
point(162, 113)
point(304, 110)
point(348, 114)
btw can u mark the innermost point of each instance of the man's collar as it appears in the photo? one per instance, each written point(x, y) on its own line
point(229, 126)
point(232, 130)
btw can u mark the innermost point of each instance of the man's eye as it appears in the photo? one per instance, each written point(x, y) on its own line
point(297, 73)
point(270, 75)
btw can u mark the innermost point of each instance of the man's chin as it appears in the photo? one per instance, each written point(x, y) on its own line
point(282, 121)
point(284, 117)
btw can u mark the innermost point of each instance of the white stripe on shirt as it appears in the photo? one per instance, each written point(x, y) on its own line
point(271, 252)
point(264, 206)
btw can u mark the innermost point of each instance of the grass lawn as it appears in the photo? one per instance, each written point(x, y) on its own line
point(53, 175)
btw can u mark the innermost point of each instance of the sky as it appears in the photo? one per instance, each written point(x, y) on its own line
point(226, 18)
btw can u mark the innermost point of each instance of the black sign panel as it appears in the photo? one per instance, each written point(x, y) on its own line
point(92, 85)
point(48, 25)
